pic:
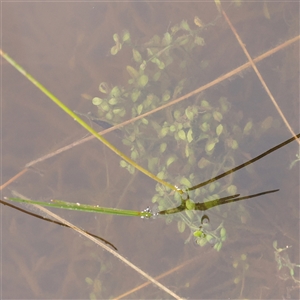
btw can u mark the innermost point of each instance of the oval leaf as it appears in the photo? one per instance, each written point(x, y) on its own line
point(219, 129)
point(181, 226)
point(182, 135)
point(143, 80)
point(97, 101)
point(132, 72)
point(136, 55)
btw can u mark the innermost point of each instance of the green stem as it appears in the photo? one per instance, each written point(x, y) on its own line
point(85, 125)
point(87, 208)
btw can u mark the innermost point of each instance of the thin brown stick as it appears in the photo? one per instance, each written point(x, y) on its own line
point(171, 271)
point(4, 185)
point(259, 76)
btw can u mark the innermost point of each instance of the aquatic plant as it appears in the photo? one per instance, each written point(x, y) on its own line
point(184, 143)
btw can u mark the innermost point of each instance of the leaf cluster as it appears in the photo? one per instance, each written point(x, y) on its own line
point(183, 144)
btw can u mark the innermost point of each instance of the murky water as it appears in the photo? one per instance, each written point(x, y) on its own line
point(66, 46)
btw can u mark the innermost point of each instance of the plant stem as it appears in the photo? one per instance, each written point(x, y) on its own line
point(85, 125)
point(87, 208)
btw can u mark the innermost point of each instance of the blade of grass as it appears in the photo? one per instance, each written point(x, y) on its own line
point(86, 208)
point(83, 124)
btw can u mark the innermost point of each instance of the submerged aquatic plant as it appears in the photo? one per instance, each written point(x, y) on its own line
point(185, 143)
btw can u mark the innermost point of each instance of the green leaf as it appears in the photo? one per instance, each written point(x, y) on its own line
point(223, 232)
point(224, 104)
point(126, 36)
point(115, 49)
point(218, 246)
point(163, 132)
point(143, 80)
point(97, 101)
point(172, 128)
point(190, 214)
point(161, 65)
point(162, 175)
point(203, 162)
point(166, 95)
point(89, 281)
point(234, 144)
point(132, 72)
point(248, 128)
point(149, 52)
point(167, 39)
point(184, 181)
point(178, 126)
point(177, 114)
point(190, 204)
point(212, 187)
point(197, 233)
point(217, 116)
point(181, 226)
point(163, 147)
point(201, 242)
point(123, 163)
point(136, 55)
point(135, 95)
point(116, 37)
point(155, 198)
point(175, 28)
point(115, 92)
point(187, 150)
point(199, 41)
point(156, 76)
point(126, 142)
point(190, 135)
point(184, 25)
point(116, 111)
point(182, 135)
point(145, 121)
point(210, 145)
point(122, 112)
point(267, 123)
point(189, 113)
point(219, 129)
point(183, 40)
point(104, 106)
point(209, 237)
point(109, 116)
point(205, 127)
point(152, 163)
point(219, 7)
point(206, 117)
point(170, 160)
point(103, 87)
point(130, 169)
point(113, 101)
point(204, 103)
point(140, 109)
point(232, 189)
point(143, 65)
point(134, 154)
